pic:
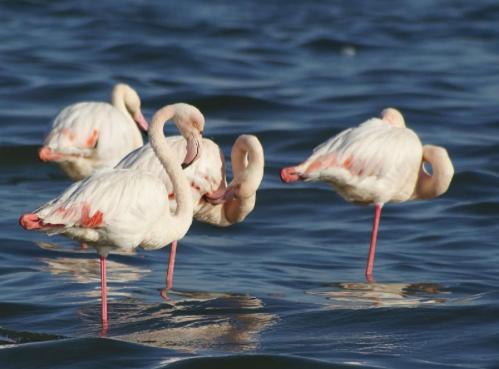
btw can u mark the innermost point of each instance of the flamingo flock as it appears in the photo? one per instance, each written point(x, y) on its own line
point(131, 195)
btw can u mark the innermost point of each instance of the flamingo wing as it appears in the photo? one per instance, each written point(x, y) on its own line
point(372, 161)
point(91, 130)
point(117, 207)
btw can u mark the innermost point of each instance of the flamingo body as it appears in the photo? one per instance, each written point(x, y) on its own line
point(372, 163)
point(214, 201)
point(205, 175)
point(123, 208)
point(377, 162)
point(89, 136)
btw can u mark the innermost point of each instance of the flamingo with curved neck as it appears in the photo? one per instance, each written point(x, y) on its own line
point(377, 162)
point(232, 204)
point(214, 201)
point(122, 208)
point(92, 135)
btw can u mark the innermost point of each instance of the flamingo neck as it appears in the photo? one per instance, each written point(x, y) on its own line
point(119, 99)
point(182, 218)
point(432, 185)
point(247, 167)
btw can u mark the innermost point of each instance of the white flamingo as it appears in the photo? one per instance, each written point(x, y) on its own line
point(123, 208)
point(377, 162)
point(91, 135)
point(214, 201)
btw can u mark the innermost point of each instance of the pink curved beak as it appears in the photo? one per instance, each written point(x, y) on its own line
point(221, 196)
point(47, 154)
point(193, 151)
point(141, 121)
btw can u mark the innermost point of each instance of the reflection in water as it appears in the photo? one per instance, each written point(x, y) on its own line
point(198, 320)
point(88, 270)
point(367, 295)
point(81, 270)
point(187, 321)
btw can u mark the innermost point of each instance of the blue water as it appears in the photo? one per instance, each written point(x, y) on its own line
point(284, 289)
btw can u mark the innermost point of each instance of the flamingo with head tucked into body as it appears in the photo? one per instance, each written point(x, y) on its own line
point(124, 208)
point(92, 135)
point(377, 162)
point(215, 201)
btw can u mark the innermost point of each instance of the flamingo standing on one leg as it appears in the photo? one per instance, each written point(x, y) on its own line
point(214, 201)
point(122, 208)
point(91, 135)
point(377, 162)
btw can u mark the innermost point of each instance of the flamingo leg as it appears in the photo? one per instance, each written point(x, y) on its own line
point(169, 272)
point(372, 246)
point(171, 265)
point(103, 286)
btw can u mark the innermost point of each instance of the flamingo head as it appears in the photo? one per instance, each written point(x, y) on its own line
point(47, 154)
point(190, 122)
point(289, 175)
point(140, 120)
point(393, 117)
point(123, 93)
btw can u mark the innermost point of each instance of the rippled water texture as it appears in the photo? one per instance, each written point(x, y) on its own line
point(284, 289)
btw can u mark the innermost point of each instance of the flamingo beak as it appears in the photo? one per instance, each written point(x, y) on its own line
point(47, 154)
point(289, 175)
point(221, 196)
point(138, 117)
point(193, 150)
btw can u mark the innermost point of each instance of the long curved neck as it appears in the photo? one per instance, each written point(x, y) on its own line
point(432, 185)
point(118, 99)
point(181, 187)
point(247, 167)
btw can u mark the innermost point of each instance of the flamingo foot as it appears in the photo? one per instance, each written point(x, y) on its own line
point(289, 175)
point(164, 294)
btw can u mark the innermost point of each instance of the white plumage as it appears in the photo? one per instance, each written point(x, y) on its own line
point(205, 175)
point(373, 163)
point(214, 201)
point(89, 136)
point(124, 208)
point(377, 162)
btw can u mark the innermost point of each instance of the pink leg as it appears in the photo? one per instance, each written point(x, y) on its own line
point(169, 273)
point(372, 247)
point(171, 265)
point(103, 285)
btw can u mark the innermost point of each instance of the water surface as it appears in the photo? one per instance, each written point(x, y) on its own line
point(284, 289)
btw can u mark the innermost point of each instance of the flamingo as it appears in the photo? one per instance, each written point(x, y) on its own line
point(377, 162)
point(121, 209)
point(214, 201)
point(92, 135)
